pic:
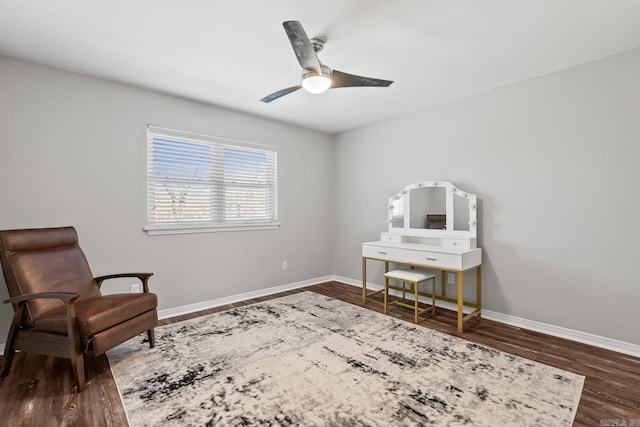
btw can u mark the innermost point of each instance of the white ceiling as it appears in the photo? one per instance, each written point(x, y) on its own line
point(231, 53)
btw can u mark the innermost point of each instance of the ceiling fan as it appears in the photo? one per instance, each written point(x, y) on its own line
point(317, 77)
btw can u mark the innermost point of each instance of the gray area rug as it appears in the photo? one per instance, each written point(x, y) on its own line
point(310, 360)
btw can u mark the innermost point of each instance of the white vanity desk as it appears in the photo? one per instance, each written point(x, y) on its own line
point(413, 241)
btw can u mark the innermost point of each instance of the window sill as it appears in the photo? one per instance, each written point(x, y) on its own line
point(156, 230)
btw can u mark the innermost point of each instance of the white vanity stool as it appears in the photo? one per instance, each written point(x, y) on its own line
point(414, 279)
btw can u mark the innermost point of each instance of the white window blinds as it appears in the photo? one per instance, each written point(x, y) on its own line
point(208, 183)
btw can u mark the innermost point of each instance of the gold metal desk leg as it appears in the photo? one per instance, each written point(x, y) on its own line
point(479, 289)
point(364, 280)
point(460, 301)
point(443, 284)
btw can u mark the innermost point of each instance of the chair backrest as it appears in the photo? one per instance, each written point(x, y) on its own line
point(44, 260)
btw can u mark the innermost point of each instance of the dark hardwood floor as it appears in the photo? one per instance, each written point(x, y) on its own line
point(39, 390)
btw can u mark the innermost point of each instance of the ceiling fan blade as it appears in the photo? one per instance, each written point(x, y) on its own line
point(302, 46)
point(340, 79)
point(280, 93)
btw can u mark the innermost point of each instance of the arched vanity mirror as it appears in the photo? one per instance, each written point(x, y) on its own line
point(436, 210)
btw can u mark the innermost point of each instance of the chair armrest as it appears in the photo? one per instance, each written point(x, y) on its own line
point(66, 297)
point(143, 277)
point(69, 299)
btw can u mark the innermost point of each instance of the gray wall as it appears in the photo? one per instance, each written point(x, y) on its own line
point(554, 162)
point(73, 152)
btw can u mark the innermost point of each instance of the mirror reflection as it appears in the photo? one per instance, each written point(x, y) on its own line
point(460, 213)
point(426, 203)
point(397, 213)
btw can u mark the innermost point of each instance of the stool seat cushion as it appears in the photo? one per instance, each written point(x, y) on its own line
point(409, 276)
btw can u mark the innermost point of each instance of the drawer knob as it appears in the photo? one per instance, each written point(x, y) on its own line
point(431, 259)
point(383, 253)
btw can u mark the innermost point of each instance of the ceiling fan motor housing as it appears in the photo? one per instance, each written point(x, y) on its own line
point(326, 72)
point(318, 43)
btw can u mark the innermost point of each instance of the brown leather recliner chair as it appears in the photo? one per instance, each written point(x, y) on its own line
point(59, 310)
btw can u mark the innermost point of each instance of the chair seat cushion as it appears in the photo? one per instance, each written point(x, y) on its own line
point(95, 314)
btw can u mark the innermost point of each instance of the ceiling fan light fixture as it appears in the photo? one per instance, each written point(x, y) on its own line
point(313, 82)
point(316, 83)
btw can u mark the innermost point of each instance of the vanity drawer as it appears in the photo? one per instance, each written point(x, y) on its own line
point(434, 259)
point(381, 252)
point(413, 257)
point(456, 243)
point(391, 238)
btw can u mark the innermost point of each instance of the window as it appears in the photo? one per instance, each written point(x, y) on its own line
point(206, 183)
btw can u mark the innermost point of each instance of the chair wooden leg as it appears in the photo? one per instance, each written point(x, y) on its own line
point(10, 347)
point(75, 351)
point(9, 353)
point(152, 337)
point(77, 361)
point(77, 366)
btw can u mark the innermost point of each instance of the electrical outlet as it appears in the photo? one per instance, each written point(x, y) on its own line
point(135, 288)
point(284, 265)
point(451, 278)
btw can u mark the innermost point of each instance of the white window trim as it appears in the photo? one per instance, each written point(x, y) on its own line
point(157, 230)
point(154, 229)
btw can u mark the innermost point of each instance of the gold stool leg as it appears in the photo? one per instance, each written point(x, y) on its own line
point(386, 293)
point(415, 307)
point(433, 296)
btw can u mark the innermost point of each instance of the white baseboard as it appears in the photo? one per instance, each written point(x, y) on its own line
point(570, 334)
point(556, 331)
point(192, 308)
